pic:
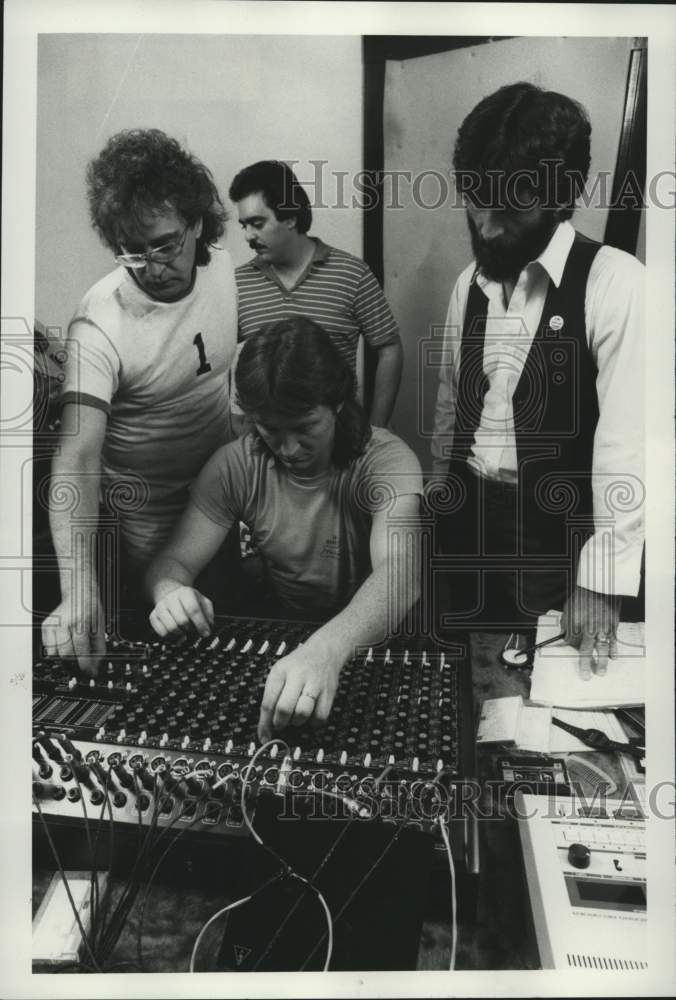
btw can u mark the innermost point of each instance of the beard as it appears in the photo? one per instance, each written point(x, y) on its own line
point(506, 257)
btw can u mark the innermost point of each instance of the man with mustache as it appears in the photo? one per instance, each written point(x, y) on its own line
point(538, 422)
point(294, 274)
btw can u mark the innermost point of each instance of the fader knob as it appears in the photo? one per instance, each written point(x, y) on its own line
point(579, 855)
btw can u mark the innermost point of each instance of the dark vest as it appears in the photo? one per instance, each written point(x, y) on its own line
point(555, 405)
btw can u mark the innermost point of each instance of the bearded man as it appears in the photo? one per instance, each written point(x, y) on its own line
point(538, 420)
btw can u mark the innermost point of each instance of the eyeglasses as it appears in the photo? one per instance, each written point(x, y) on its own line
point(158, 255)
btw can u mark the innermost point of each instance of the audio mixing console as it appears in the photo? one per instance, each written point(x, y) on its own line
point(167, 733)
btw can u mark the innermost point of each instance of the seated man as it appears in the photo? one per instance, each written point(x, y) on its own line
point(320, 489)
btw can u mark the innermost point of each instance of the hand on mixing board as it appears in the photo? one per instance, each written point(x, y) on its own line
point(300, 688)
point(590, 623)
point(76, 629)
point(180, 608)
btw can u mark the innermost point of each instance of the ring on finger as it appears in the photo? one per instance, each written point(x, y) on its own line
point(307, 694)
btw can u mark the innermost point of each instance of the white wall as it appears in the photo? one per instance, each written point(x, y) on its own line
point(425, 250)
point(232, 99)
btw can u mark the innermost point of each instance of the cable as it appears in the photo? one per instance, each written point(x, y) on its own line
point(295, 906)
point(111, 855)
point(354, 892)
point(352, 805)
point(97, 930)
point(289, 870)
point(454, 914)
point(93, 881)
point(368, 874)
point(139, 929)
point(149, 845)
point(132, 887)
point(139, 791)
point(329, 947)
point(225, 909)
point(245, 782)
point(323, 862)
point(133, 881)
point(55, 854)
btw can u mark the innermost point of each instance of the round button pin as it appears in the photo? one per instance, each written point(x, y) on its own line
point(556, 322)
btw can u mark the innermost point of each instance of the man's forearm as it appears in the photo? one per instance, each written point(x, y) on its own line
point(369, 616)
point(74, 528)
point(386, 385)
point(164, 575)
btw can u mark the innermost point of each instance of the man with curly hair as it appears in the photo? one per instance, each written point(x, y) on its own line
point(322, 492)
point(146, 394)
point(538, 420)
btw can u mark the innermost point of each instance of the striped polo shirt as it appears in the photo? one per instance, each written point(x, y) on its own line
point(336, 290)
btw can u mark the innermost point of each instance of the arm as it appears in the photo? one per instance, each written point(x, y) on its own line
point(389, 363)
point(377, 325)
point(444, 411)
point(304, 683)
point(610, 561)
point(194, 542)
point(76, 627)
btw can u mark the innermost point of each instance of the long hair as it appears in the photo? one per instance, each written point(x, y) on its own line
point(522, 131)
point(292, 366)
point(141, 170)
point(281, 190)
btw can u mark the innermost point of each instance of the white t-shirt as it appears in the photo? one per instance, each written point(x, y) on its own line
point(160, 371)
point(313, 534)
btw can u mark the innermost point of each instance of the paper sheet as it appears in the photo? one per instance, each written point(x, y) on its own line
point(533, 729)
point(555, 679)
point(499, 720)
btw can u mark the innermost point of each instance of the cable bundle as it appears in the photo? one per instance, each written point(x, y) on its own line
point(154, 846)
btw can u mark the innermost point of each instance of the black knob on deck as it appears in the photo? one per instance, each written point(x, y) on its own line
point(579, 855)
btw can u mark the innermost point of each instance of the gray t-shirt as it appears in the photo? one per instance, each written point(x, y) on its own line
point(313, 534)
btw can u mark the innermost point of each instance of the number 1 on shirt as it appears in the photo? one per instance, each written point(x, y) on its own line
point(204, 364)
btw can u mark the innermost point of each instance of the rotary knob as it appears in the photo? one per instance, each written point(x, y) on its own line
point(579, 855)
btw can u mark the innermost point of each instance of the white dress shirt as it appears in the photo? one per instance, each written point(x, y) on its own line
point(614, 319)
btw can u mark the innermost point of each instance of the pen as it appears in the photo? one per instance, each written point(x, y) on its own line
point(519, 657)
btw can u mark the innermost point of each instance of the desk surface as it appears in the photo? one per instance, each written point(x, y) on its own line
point(496, 939)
